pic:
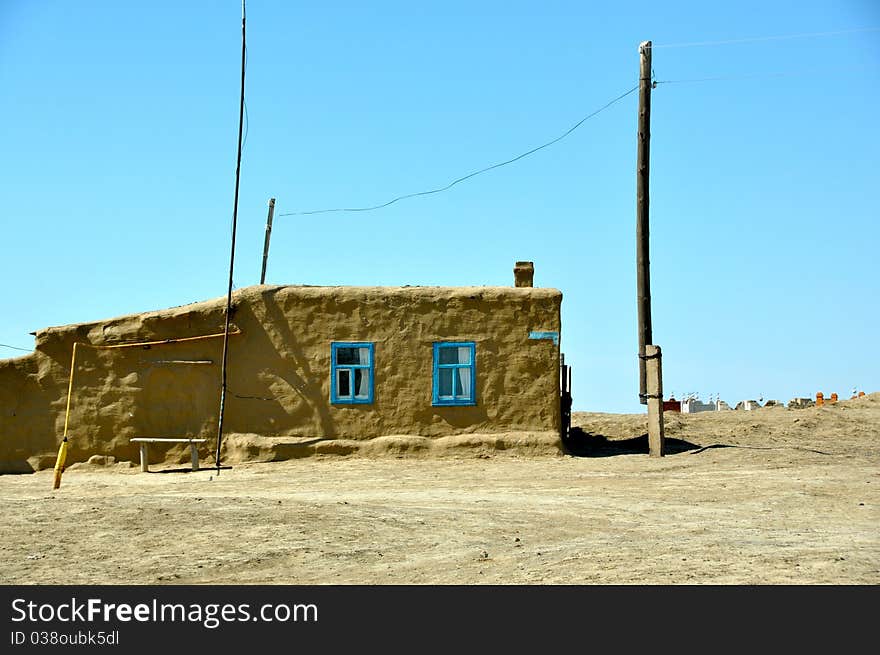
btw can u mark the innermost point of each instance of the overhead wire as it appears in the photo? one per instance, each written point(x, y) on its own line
point(27, 350)
point(781, 37)
point(752, 76)
point(601, 109)
point(469, 175)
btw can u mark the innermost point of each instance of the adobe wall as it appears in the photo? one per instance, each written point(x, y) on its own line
point(279, 371)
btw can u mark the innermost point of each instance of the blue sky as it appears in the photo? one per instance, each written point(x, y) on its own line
point(119, 139)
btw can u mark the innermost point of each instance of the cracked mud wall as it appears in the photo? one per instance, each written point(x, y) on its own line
point(279, 371)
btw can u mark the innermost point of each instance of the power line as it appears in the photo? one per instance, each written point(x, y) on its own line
point(27, 350)
point(756, 39)
point(751, 76)
point(469, 175)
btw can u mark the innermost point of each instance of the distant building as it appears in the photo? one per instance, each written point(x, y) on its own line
point(693, 406)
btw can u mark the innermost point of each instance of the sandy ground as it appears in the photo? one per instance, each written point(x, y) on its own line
point(771, 496)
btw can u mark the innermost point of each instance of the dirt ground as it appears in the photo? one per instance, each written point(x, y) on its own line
point(772, 496)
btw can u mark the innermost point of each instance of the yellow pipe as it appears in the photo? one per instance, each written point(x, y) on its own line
point(62, 450)
point(59, 464)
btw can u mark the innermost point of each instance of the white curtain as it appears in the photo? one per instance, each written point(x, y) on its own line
point(361, 382)
point(464, 381)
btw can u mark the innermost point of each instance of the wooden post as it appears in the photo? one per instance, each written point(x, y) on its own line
point(654, 375)
point(266, 242)
point(232, 246)
point(643, 260)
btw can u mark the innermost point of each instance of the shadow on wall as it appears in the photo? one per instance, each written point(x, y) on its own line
point(274, 355)
point(586, 444)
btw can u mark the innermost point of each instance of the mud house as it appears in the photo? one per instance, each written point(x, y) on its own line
point(310, 369)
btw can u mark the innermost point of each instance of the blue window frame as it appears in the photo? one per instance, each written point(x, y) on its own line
point(351, 372)
point(455, 373)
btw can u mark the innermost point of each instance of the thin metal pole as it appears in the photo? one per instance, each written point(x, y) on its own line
point(266, 242)
point(643, 260)
point(70, 389)
point(232, 249)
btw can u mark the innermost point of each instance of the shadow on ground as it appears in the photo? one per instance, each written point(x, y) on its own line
point(188, 469)
point(587, 444)
point(728, 445)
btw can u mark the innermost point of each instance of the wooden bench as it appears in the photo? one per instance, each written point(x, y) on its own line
point(146, 441)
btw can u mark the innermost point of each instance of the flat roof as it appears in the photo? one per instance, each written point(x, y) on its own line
point(355, 293)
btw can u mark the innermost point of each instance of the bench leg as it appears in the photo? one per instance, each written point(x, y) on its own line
point(145, 462)
point(195, 456)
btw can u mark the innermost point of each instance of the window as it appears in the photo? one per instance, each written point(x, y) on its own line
point(351, 373)
point(454, 373)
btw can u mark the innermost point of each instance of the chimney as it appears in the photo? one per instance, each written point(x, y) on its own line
point(523, 274)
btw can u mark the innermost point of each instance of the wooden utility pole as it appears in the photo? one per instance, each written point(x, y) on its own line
point(650, 369)
point(266, 242)
point(643, 260)
point(654, 375)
